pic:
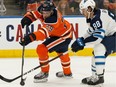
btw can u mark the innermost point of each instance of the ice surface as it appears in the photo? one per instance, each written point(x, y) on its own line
point(11, 68)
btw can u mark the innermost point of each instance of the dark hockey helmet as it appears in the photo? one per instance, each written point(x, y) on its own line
point(47, 6)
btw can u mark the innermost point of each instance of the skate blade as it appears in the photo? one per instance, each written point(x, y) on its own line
point(99, 85)
point(66, 77)
point(40, 80)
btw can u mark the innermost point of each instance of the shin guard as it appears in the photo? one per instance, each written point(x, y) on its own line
point(42, 52)
point(65, 61)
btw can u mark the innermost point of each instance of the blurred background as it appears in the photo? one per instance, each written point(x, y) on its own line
point(67, 7)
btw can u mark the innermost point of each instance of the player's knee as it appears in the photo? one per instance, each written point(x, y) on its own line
point(99, 49)
point(42, 50)
point(65, 58)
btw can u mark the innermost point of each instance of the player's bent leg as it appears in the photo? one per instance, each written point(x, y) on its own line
point(93, 67)
point(99, 59)
point(42, 52)
point(65, 61)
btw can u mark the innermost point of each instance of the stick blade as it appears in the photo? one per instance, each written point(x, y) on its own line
point(5, 79)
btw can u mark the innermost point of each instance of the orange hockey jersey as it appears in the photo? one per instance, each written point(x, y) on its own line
point(59, 28)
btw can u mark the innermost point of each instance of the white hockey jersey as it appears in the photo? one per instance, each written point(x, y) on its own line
point(101, 25)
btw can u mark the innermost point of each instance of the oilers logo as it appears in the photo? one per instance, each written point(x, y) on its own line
point(49, 28)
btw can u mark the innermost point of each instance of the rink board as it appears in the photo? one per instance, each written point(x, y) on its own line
point(32, 53)
point(11, 33)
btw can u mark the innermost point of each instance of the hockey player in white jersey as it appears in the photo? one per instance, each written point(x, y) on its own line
point(102, 34)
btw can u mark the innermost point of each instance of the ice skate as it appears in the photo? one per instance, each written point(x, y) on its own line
point(62, 75)
point(93, 80)
point(41, 77)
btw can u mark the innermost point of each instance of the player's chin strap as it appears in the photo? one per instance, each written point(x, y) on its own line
point(89, 13)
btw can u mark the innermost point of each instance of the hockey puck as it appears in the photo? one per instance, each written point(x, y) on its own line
point(22, 83)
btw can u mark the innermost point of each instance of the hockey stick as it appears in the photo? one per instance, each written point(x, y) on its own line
point(11, 80)
point(23, 51)
point(22, 80)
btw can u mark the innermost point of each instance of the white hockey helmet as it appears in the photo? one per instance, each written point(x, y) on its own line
point(84, 4)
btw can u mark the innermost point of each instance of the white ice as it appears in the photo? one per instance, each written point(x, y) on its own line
point(11, 68)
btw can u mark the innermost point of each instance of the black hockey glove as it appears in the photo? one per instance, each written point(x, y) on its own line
point(25, 21)
point(27, 39)
point(78, 44)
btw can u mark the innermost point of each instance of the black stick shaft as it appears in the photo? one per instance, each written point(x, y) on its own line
point(11, 80)
point(23, 51)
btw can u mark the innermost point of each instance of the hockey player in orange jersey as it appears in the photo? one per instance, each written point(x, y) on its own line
point(57, 34)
